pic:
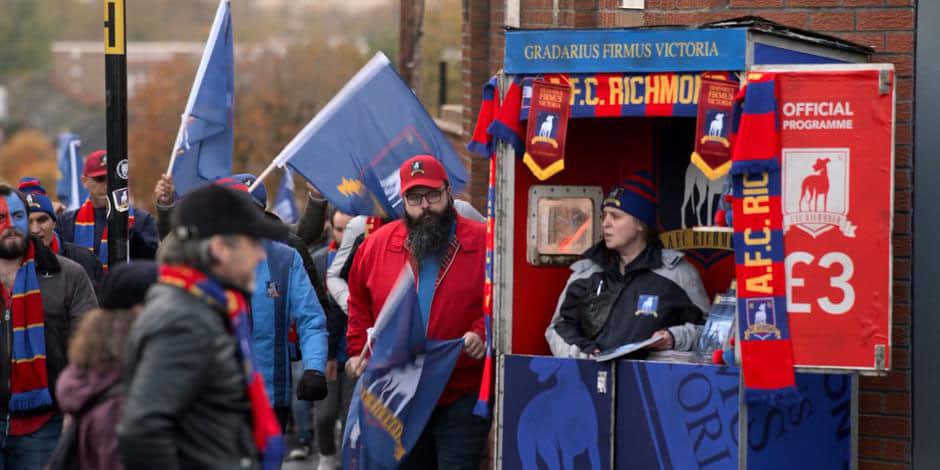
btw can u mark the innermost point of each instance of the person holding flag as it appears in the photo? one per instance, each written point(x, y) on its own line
point(42, 224)
point(446, 254)
point(87, 226)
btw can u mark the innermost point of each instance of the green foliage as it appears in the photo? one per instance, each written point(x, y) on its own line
point(25, 35)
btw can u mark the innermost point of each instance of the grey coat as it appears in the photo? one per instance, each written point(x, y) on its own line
point(187, 403)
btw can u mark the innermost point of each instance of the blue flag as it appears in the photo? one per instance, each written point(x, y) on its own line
point(70, 190)
point(203, 148)
point(352, 149)
point(284, 204)
point(394, 398)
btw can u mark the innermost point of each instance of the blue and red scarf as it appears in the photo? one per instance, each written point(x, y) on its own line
point(266, 430)
point(56, 245)
point(763, 323)
point(29, 383)
point(85, 231)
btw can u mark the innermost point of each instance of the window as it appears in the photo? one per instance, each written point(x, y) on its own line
point(632, 4)
point(563, 223)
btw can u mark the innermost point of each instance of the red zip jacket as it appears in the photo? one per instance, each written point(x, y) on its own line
point(457, 305)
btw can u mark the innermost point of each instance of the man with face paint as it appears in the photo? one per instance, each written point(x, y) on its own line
point(42, 225)
point(447, 254)
point(87, 226)
point(44, 296)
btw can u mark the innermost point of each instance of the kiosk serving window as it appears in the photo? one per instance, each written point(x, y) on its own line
point(563, 222)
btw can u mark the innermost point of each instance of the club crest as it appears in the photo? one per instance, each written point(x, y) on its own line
point(417, 168)
point(816, 191)
point(272, 290)
point(647, 305)
point(761, 321)
point(613, 197)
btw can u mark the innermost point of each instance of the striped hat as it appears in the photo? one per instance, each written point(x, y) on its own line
point(636, 196)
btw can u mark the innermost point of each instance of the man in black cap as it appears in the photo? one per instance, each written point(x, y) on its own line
point(189, 354)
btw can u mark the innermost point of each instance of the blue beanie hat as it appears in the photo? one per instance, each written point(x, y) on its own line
point(260, 195)
point(38, 202)
point(636, 196)
point(36, 198)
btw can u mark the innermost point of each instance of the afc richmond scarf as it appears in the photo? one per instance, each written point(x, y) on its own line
point(267, 431)
point(766, 349)
point(29, 384)
point(482, 144)
point(85, 231)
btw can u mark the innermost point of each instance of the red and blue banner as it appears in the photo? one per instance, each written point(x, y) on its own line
point(545, 144)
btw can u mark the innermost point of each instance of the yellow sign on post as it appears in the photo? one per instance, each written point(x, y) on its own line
point(114, 27)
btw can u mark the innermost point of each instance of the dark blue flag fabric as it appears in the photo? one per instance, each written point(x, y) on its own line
point(203, 149)
point(352, 149)
point(70, 190)
point(394, 398)
point(284, 204)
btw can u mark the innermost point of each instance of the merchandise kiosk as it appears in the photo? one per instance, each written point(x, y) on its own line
point(635, 99)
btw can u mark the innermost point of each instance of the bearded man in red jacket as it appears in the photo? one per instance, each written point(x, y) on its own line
point(447, 254)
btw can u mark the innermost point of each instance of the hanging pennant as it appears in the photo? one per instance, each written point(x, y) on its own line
point(712, 152)
point(547, 128)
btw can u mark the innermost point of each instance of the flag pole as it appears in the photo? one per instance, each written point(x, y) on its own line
point(176, 146)
point(115, 39)
point(267, 171)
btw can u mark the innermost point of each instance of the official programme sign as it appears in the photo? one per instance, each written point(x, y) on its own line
point(837, 191)
point(573, 51)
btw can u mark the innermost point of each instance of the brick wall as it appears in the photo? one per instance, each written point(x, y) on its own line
point(886, 25)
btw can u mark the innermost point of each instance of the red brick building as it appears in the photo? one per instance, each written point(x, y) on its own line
point(888, 26)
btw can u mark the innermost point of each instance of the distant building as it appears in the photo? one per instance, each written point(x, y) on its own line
point(78, 66)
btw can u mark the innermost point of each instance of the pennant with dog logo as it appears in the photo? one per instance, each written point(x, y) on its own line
point(712, 152)
point(547, 128)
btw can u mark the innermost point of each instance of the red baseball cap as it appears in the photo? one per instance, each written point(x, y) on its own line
point(96, 164)
point(422, 170)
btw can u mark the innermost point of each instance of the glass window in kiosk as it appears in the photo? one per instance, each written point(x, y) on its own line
point(566, 226)
point(563, 222)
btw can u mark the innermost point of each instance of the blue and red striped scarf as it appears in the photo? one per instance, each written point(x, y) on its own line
point(266, 430)
point(482, 143)
point(85, 231)
point(29, 383)
point(56, 245)
point(763, 323)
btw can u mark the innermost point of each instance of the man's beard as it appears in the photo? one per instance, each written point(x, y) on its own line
point(429, 234)
point(12, 246)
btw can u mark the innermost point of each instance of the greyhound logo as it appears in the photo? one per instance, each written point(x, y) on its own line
point(717, 126)
point(760, 317)
point(816, 186)
point(398, 386)
point(761, 323)
point(816, 191)
point(647, 305)
point(545, 130)
point(700, 191)
point(559, 421)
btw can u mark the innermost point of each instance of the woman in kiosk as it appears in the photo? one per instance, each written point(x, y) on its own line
point(628, 288)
